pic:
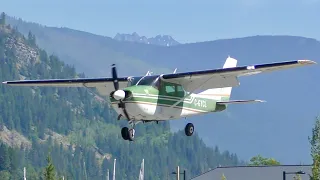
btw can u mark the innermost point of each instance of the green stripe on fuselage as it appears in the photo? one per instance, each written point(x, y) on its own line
point(150, 95)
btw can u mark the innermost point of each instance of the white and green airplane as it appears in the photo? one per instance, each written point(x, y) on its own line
point(154, 98)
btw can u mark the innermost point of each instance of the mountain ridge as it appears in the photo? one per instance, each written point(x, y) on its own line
point(161, 40)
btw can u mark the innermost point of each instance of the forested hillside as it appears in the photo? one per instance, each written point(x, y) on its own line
point(78, 128)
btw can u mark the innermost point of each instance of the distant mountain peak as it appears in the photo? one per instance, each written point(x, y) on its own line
point(161, 40)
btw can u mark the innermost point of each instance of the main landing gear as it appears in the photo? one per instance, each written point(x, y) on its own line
point(128, 133)
point(189, 129)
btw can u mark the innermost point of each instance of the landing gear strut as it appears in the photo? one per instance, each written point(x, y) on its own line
point(128, 133)
point(189, 129)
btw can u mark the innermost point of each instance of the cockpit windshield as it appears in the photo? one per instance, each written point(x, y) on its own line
point(146, 80)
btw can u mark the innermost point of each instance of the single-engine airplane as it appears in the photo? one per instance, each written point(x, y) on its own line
point(154, 98)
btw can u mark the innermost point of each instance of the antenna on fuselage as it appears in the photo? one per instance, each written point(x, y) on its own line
point(149, 73)
point(175, 70)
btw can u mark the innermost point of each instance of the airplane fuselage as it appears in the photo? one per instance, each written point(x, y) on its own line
point(153, 104)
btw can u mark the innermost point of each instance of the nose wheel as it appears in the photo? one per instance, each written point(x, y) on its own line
point(189, 129)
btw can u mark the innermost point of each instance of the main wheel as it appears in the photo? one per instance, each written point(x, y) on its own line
point(131, 134)
point(189, 129)
point(125, 133)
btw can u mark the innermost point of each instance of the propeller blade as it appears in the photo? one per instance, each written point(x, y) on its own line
point(116, 87)
point(115, 77)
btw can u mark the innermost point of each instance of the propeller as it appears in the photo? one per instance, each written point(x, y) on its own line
point(118, 94)
point(115, 77)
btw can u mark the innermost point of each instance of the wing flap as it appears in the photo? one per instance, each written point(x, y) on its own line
point(205, 82)
point(240, 101)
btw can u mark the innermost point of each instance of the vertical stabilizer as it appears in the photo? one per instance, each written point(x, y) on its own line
point(230, 63)
point(222, 93)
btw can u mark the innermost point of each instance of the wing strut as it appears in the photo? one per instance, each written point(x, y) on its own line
point(189, 93)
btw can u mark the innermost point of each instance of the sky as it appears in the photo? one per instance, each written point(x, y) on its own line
point(186, 21)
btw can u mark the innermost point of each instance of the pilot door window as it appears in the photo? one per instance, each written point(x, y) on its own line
point(173, 90)
point(170, 90)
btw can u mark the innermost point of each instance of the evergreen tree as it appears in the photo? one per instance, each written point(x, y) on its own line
point(4, 158)
point(49, 173)
point(262, 161)
point(3, 19)
point(223, 177)
point(4, 175)
point(315, 149)
point(297, 177)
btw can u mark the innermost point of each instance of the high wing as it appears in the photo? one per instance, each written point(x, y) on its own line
point(191, 81)
point(103, 85)
point(226, 77)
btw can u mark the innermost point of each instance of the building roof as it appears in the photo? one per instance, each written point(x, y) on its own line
point(255, 172)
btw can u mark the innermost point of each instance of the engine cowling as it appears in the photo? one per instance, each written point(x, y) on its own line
point(121, 94)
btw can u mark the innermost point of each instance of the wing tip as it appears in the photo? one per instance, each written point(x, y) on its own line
point(5, 82)
point(306, 62)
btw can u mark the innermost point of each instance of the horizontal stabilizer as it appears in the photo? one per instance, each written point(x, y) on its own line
point(239, 101)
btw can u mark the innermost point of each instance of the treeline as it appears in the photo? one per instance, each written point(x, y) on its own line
point(88, 129)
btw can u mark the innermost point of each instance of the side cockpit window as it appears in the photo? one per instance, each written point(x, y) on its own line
point(171, 89)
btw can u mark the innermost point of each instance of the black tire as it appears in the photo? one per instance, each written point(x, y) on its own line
point(125, 133)
point(189, 129)
point(130, 135)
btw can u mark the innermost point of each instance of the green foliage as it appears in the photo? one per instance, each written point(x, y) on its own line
point(223, 177)
point(262, 161)
point(297, 177)
point(3, 19)
point(4, 175)
point(80, 131)
point(315, 149)
point(31, 39)
point(49, 173)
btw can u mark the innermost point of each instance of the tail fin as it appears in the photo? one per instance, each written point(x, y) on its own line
point(230, 63)
point(225, 92)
